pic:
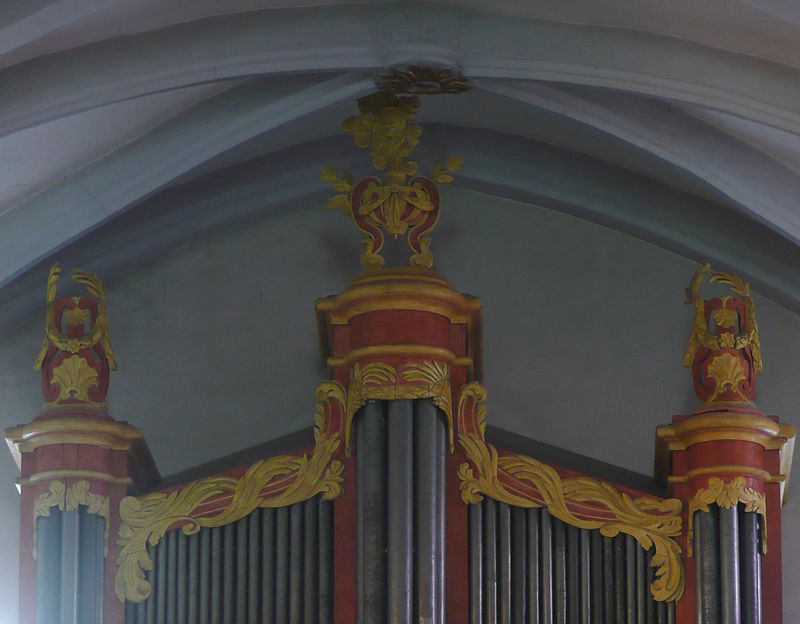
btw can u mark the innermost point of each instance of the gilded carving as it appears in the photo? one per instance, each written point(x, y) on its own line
point(99, 333)
point(423, 80)
point(727, 373)
point(428, 379)
point(514, 479)
point(68, 498)
point(74, 377)
point(76, 355)
point(727, 495)
point(274, 482)
point(403, 203)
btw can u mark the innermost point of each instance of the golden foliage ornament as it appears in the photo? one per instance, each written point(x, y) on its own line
point(727, 495)
point(402, 203)
point(427, 379)
point(510, 477)
point(275, 482)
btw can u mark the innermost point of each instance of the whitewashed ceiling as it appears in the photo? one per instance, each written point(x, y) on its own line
point(127, 126)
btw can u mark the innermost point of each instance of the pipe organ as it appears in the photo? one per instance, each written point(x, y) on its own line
point(401, 506)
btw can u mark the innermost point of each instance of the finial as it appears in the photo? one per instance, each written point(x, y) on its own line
point(401, 202)
point(725, 358)
point(76, 353)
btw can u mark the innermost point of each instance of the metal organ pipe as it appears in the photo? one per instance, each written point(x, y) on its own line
point(558, 572)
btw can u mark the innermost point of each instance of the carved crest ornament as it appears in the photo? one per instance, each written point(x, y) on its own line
point(403, 202)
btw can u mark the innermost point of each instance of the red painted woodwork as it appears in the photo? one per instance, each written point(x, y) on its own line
point(396, 317)
point(344, 549)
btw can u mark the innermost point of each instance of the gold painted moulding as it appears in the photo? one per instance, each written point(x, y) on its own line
point(275, 482)
point(583, 502)
point(727, 495)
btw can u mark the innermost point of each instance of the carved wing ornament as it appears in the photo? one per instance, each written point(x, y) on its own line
point(274, 482)
point(580, 501)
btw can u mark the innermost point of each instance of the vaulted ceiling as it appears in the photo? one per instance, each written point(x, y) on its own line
point(127, 126)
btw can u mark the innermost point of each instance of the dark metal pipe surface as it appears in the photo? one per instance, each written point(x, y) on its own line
point(205, 575)
point(546, 528)
point(533, 577)
point(183, 574)
point(708, 594)
point(430, 446)
point(228, 571)
point(490, 572)
point(597, 576)
point(172, 575)
point(311, 561)
point(324, 513)
point(519, 565)
point(750, 567)
point(630, 579)
point(642, 588)
point(216, 576)
point(504, 563)
point(559, 572)
point(475, 563)
point(586, 576)
point(400, 520)
point(573, 575)
point(371, 513)
point(296, 564)
point(269, 561)
point(241, 569)
point(281, 587)
point(609, 601)
point(620, 612)
point(253, 565)
point(161, 583)
point(729, 565)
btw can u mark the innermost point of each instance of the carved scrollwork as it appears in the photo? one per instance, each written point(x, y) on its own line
point(526, 482)
point(274, 482)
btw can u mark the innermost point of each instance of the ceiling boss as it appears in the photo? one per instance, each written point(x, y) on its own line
point(401, 203)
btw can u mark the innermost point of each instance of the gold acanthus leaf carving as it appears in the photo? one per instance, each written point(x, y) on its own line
point(380, 381)
point(727, 495)
point(652, 522)
point(68, 498)
point(146, 519)
point(75, 378)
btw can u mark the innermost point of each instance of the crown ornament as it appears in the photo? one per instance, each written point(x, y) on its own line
point(400, 202)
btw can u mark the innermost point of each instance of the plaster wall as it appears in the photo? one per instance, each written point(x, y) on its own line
point(584, 332)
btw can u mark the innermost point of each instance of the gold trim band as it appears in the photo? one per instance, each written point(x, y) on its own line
point(727, 469)
point(404, 349)
point(67, 473)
